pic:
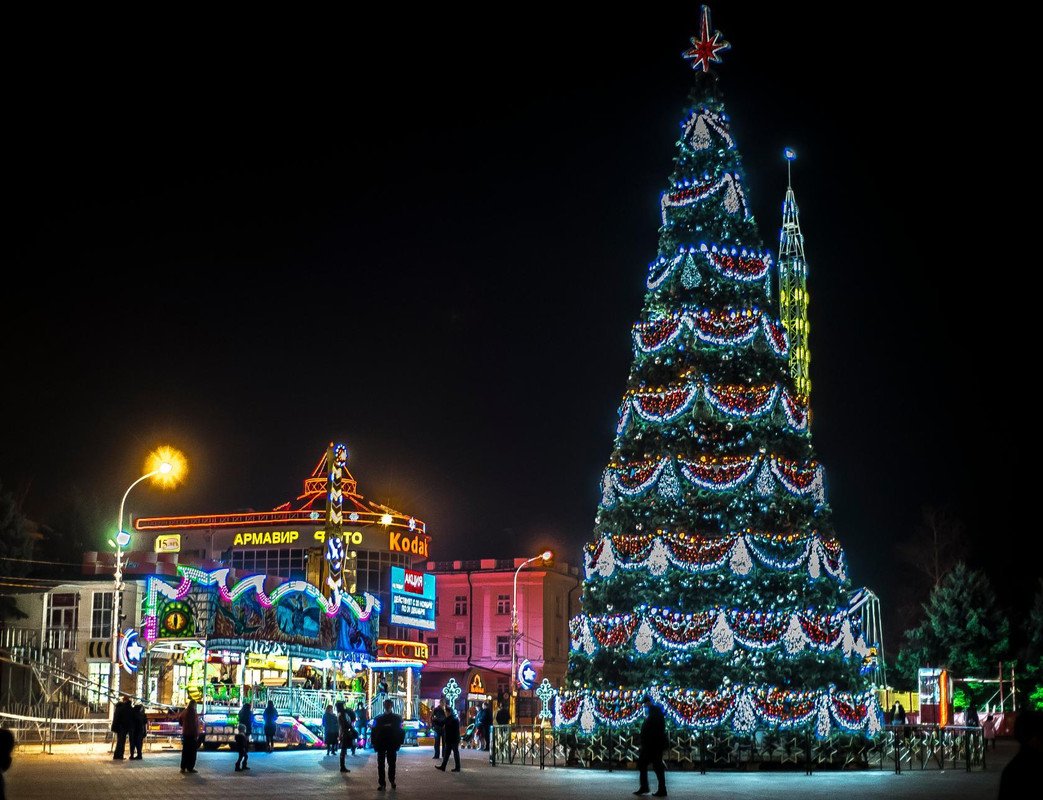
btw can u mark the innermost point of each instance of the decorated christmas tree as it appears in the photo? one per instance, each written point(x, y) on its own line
point(715, 582)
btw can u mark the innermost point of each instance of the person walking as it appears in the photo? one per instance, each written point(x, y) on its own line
point(331, 729)
point(271, 716)
point(484, 721)
point(388, 735)
point(246, 718)
point(437, 726)
point(346, 733)
point(189, 737)
point(122, 724)
point(362, 725)
point(139, 726)
point(242, 748)
point(653, 743)
point(450, 740)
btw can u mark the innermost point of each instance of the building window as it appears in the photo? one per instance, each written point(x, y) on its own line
point(503, 604)
point(63, 612)
point(101, 615)
point(460, 646)
point(503, 645)
point(286, 563)
point(461, 605)
point(432, 647)
point(437, 610)
point(98, 674)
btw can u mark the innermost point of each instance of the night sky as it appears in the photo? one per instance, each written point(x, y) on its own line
point(427, 236)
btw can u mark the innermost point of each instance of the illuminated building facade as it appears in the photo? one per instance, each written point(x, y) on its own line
point(471, 643)
point(291, 604)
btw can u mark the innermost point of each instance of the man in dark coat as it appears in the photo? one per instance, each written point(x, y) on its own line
point(122, 725)
point(450, 740)
point(139, 727)
point(437, 726)
point(348, 733)
point(388, 735)
point(653, 743)
point(503, 715)
point(484, 723)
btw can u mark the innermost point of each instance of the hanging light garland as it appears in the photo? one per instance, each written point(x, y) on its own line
point(788, 632)
point(730, 327)
point(662, 405)
point(701, 554)
point(689, 192)
point(734, 263)
point(742, 708)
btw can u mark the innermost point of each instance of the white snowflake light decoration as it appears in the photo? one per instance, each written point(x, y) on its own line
point(721, 636)
point(658, 559)
point(643, 642)
point(794, 638)
point(741, 563)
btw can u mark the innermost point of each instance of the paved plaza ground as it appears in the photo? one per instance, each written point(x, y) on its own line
point(74, 774)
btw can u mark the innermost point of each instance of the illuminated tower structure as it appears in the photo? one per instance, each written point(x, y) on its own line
point(714, 581)
point(793, 289)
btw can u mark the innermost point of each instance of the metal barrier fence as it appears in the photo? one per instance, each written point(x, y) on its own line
point(895, 748)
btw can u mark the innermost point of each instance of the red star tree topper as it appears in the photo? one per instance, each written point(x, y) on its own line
point(707, 46)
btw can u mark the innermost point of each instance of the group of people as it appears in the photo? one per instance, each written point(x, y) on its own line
point(129, 722)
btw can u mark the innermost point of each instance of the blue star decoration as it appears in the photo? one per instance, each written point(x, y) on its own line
point(707, 46)
point(528, 674)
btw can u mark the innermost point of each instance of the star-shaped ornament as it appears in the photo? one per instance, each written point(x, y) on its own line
point(707, 46)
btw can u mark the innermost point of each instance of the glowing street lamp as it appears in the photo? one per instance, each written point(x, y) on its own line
point(166, 467)
point(545, 557)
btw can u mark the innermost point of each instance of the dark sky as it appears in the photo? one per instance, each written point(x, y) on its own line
point(426, 235)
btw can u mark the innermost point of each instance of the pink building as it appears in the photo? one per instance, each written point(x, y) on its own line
point(471, 642)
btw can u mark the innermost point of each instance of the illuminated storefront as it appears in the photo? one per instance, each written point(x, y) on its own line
point(287, 604)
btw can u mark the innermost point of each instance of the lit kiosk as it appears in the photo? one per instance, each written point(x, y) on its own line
point(296, 605)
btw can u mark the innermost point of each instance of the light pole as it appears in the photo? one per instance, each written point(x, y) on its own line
point(545, 556)
point(167, 467)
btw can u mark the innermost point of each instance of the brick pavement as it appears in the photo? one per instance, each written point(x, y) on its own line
point(72, 775)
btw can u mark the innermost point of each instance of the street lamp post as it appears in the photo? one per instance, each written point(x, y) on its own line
point(545, 556)
point(169, 464)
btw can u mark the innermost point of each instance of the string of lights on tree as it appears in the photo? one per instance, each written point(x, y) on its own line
point(714, 582)
point(787, 632)
point(742, 708)
point(713, 474)
point(730, 327)
point(733, 263)
point(737, 552)
point(661, 405)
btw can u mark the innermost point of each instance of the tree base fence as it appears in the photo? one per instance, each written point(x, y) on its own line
point(909, 747)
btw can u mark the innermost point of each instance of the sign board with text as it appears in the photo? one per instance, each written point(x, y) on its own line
point(412, 599)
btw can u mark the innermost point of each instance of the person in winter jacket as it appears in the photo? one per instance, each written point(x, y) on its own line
point(437, 725)
point(271, 717)
point(347, 735)
point(388, 735)
point(450, 740)
point(138, 729)
point(653, 743)
point(190, 732)
point(331, 730)
point(122, 724)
